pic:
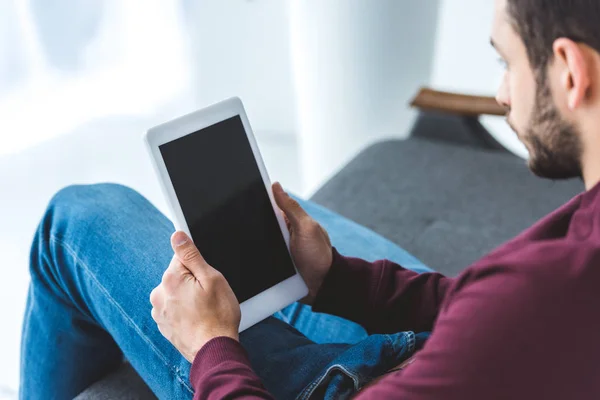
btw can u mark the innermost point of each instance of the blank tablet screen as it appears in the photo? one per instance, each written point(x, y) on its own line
point(227, 208)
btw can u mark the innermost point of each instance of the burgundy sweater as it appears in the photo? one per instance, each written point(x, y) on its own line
point(523, 322)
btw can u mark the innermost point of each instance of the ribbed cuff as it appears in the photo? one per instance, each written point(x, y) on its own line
point(329, 286)
point(215, 352)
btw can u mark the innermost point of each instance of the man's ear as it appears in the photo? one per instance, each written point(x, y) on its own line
point(575, 76)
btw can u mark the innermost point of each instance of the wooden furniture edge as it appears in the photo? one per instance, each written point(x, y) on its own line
point(456, 103)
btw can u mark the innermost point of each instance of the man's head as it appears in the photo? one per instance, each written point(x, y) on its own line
point(550, 87)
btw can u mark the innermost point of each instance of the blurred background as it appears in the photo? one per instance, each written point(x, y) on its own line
point(80, 81)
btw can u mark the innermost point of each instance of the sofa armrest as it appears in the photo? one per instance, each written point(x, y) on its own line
point(454, 118)
point(454, 103)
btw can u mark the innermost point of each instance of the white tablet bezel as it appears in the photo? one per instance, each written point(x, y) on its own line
point(275, 298)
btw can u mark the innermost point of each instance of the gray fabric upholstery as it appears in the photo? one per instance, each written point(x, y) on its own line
point(446, 204)
point(123, 384)
point(448, 128)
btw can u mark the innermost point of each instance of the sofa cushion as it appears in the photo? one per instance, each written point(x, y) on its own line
point(447, 204)
point(123, 384)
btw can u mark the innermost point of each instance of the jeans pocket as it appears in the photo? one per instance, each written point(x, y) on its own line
point(359, 365)
point(337, 382)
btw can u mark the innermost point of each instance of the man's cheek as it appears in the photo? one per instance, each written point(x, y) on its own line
point(512, 122)
point(518, 118)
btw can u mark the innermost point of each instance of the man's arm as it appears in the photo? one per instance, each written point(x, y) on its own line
point(381, 296)
point(505, 331)
point(504, 334)
point(221, 370)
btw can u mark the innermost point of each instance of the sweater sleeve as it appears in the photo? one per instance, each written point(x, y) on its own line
point(503, 335)
point(221, 370)
point(381, 296)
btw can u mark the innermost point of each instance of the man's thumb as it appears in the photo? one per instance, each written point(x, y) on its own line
point(188, 254)
point(293, 211)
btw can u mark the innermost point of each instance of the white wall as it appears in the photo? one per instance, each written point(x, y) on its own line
point(242, 48)
point(357, 64)
point(466, 62)
point(56, 76)
point(237, 48)
point(11, 54)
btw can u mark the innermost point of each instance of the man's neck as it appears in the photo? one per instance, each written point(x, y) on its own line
point(591, 170)
point(590, 157)
point(591, 183)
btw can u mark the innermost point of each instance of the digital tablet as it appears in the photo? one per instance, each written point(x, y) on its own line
point(216, 184)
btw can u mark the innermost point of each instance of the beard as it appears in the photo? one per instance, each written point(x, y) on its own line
point(554, 144)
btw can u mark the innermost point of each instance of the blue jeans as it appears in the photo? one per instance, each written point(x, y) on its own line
point(99, 251)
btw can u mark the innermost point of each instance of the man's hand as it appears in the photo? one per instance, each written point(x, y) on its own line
point(309, 243)
point(194, 303)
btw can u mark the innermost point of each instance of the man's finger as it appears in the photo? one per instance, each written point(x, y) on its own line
point(154, 314)
point(187, 253)
point(155, 297)
point(292, 209)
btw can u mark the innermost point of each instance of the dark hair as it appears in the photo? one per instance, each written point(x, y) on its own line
point(541, 22)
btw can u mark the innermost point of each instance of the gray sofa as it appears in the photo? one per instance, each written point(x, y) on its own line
point(449, 194)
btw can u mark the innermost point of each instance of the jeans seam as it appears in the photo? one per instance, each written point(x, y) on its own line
point(127, 319)
point(65, 298)
point(390, 347)
point(309, 390)
point(25, 329)
point(411, 341)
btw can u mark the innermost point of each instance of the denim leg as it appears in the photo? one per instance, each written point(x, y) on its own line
point(353, 240)
point(96, 256)
point(285, 359)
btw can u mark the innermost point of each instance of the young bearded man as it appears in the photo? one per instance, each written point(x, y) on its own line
point(523, 322)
